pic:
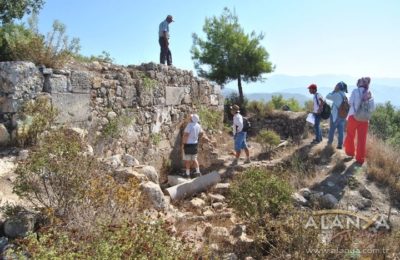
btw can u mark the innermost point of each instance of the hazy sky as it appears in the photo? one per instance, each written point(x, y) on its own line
point(303, 37)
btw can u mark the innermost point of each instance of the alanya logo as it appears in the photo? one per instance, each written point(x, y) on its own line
point(344, 220)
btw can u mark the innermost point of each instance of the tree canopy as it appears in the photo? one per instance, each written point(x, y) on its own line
point(229, 53)
point(16, 9)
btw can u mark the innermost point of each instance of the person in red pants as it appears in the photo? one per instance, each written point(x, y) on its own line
point(359, 127)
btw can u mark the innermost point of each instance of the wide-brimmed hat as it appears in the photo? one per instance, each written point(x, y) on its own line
point(235, 108)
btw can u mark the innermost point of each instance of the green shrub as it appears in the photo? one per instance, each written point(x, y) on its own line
point(111, 129)
point(54, 174)
point(103, 57)
point(14, 39)
point(60, 178)
point(309, 106)
point(268, 139)
point(278, 102)
point(233, 99)
point(293, 105)
point(256, 193)
point(142, 240)
point(259, 108)
point(115, 126)
point(148, 83)
point(210, 119)
point(35, 117)
point(20, 43)
point(155, 138)
point(385, 123)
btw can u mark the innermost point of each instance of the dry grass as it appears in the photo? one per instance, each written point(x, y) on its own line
point(384, 164)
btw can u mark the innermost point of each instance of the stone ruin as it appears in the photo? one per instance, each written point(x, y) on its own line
point(149, 102)
point(153, 100)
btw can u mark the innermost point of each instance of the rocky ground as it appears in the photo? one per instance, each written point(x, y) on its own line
point(337, 183)
point(7, 175)
point(206, 219)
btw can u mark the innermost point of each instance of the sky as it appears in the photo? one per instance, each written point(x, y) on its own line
point(303, 37)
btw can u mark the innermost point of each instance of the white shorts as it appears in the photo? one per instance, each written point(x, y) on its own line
point(189, 157)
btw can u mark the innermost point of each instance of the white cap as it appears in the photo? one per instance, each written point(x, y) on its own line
point(195, 118)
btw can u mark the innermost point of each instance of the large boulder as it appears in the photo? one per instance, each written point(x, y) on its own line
point(20, 79)
point(4, 135)
point(19, 225)
point(151, 173)
point(154, 195)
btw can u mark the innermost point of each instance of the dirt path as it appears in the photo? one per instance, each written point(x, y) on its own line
point(348, 182)
point(7, 175)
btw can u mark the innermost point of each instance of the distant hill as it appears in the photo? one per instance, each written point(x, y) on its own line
point(384, 89)
point(268, 96)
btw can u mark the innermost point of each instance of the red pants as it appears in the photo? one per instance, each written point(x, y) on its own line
point(361, 128)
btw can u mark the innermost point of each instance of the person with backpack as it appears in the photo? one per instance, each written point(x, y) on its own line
point(339, 113)
point(318, 103)
point(240, 128)
point(361, 107)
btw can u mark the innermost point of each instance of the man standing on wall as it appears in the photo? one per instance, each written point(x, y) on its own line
point(163, 33)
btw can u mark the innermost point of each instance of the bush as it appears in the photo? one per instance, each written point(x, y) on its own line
point(233, 99)
point(385, 123)
point(278, 102)
point(35, 117)
point(20, 43)
point(259, 108)
point(103, 57)
point(155, 138)
point(309, 106)
point(268, 139)
point(55, 174)
point(14, 39)
point(143, 240)
point(115, 126)
point(61, 180)
point(384, 165)
point(256, 193)
point(210, 119)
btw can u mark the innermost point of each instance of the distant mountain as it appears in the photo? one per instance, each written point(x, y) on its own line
point(384, 89)
point(268, 96)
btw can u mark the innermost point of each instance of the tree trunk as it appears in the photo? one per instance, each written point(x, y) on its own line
point(241, 98)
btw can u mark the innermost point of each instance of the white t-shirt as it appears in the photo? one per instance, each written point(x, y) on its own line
point(194, 130)
point(317, 96)
point(237, 123)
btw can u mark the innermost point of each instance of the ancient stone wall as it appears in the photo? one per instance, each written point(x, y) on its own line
point(136, 110)
point(286, 123)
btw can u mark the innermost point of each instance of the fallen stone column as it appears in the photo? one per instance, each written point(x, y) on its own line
point(194, 186)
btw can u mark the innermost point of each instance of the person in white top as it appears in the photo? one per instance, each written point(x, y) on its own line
point(239, 135)
point(360, 94)
point(318, 102)
point(191, 135)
